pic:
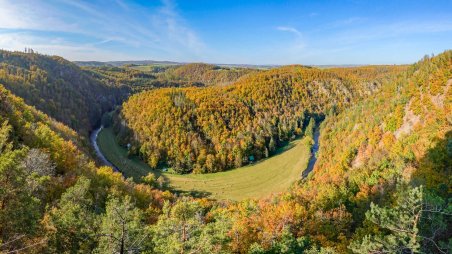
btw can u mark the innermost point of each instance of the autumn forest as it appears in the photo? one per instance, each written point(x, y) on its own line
point(380, 184)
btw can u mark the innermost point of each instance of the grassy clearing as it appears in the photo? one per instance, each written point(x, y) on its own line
point(117, 155)
point(261, 179)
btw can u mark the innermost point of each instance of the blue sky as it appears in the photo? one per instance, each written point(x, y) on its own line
point(230, 31)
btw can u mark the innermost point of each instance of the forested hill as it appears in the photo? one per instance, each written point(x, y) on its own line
point(78, 96)
point(52, 197)
point(394, 150)
point(216, 128)
point(140, 78)
point(59, 88)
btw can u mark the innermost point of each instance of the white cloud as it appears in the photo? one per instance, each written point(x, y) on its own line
point(289, 29)
point(20, 40)
point(31, 15)
point(102, 29)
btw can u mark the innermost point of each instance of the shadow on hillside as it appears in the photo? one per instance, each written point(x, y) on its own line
point(433, 172)
point(435, 167)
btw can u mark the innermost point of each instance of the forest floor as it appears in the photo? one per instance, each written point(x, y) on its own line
point(273, 175)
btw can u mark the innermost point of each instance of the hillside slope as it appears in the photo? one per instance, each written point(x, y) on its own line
point(216, 128)
point(59, 88)
point(401, 136)
point(51, 194)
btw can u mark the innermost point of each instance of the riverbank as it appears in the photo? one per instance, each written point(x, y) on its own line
point(93, 140)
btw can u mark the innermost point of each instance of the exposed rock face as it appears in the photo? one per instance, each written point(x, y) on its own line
point(438, 100)
point(409, 121)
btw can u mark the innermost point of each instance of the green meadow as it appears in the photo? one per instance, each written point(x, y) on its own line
point(258, 180)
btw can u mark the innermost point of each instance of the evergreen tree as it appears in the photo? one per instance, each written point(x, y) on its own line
point(19, 209)
point(71, 226)
point(400, 226)
point(182, 229)
point(122, 229)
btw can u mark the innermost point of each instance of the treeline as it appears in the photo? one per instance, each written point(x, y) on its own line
point(216, 128)
point(59, 88)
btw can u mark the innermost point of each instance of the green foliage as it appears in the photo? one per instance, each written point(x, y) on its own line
point(149, 179)
point(401, 221)
point(183, 228)
point(122, 229)
point(288, 244)
point(206, 74)
point(309, 132)
point(106, 120)
point(39, 159)
point(400, 225)
point(140, 78)
point(273, 175)
point(373, 150)
point(19, 209)
point(71, 226)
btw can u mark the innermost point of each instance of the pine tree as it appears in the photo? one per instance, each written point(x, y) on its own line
point(400, 226)
point(122, 229)
point(19, 209)
point(182, 229)
point(72, 224)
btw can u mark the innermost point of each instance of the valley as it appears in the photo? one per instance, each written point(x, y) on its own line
point(200, 158)
point(270, 176)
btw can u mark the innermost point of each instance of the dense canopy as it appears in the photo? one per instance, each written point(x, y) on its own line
point(217, 128)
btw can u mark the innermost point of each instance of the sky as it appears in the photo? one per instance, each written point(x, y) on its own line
point(230, 31)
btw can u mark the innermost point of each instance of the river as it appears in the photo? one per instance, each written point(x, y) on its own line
point(100, 155)
point(314, 149)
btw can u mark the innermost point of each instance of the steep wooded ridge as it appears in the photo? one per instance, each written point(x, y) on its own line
point(376, 152)
point(59, 88)
point(217, 128)
point(48, 185)
point(381, 184)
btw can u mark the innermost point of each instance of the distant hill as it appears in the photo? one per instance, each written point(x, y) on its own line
point(153, 62)
point(122, 63)
point(207, 74)
point(145, 77)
